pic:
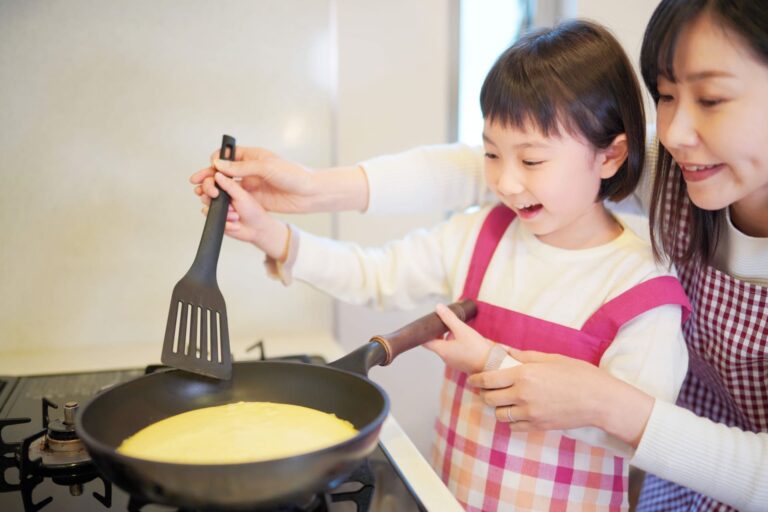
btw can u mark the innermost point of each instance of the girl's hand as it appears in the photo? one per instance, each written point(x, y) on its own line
point(466, 350)
point(248, 221)
point(283, 186)
point(551, 391)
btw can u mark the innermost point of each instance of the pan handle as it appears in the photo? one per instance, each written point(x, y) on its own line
point(383, 349)
point(428, 327)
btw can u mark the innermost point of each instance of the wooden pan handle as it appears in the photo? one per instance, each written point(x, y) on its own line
point(428, 327)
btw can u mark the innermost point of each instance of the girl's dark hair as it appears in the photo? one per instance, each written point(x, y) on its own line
point(576, 75)
point(683, 232)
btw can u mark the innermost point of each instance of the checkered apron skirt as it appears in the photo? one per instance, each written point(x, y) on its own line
point(727, 379)
point(487, 466)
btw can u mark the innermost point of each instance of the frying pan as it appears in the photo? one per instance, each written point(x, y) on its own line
point(341, 388)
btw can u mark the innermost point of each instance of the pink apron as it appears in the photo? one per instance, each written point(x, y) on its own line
point(488, 467)
point(727, 379)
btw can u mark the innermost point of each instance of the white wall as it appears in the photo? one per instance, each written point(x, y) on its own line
point(627, 21)
point(395, 92)
point(107, 108)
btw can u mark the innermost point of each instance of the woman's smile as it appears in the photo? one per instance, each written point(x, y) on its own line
point(693, 173)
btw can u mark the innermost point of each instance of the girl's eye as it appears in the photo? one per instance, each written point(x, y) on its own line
point(491, 156)
point(665, 98)
point(532, 163)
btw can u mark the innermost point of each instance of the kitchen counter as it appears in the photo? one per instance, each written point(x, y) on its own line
point(409, 460)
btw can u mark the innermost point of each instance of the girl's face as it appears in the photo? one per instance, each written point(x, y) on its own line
point(551, 182)
point(714, 119)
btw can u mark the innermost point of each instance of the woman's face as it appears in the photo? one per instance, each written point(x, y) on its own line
point(714, 118)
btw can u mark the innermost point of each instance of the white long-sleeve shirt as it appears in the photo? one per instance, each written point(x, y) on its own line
point(526, 275)
point(727, 464)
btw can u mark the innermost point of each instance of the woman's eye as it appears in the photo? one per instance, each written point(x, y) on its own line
point(491, 156)
point(710, 102)
point(665, 98)
point(532, 163)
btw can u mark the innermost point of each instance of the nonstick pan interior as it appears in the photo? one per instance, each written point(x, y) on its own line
point(121, 411)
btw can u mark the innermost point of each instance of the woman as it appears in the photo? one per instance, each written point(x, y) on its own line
point(706, 65)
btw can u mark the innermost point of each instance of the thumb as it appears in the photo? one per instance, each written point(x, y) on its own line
point(453, 322)
point(530, 356)
point(231, 187)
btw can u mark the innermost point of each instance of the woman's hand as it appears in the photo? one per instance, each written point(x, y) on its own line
point(551, 391)
point(283, 186)
point(466, 350)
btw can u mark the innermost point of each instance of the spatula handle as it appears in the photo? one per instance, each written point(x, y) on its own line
point(207, 256)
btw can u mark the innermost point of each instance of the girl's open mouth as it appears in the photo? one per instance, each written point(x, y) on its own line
point(530, 211)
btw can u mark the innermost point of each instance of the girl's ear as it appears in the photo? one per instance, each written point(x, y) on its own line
point(612, 157)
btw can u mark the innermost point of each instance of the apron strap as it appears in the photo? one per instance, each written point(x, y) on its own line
point(658, 291)
point(494, 227)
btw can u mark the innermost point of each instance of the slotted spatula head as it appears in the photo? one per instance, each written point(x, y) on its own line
point(196, 334)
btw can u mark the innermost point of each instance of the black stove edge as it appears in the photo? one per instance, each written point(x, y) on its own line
point(405, 481)
point(7, 385)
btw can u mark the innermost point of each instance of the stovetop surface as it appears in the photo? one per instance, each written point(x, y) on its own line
point(21, 397)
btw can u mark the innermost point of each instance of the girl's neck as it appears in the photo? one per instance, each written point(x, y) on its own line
point(595, 228)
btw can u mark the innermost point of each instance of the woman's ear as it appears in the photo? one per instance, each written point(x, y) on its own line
point(612, 157)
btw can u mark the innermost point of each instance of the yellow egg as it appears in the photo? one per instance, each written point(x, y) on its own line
point(236, 433)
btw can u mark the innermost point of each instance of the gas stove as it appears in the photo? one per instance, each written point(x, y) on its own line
point(44, 466)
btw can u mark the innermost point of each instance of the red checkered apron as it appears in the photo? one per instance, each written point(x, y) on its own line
point(487, 466)
point(727, 379)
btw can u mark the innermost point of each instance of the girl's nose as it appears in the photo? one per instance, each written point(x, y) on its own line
point(510, 183)
point(677, 128)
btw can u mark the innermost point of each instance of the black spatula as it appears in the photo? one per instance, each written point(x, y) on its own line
point(196, 335)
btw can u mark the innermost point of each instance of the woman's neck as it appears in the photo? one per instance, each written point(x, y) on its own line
point(750, 215)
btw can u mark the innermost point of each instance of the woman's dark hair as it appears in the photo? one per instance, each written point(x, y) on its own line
point(683, 232)
point(575, 75)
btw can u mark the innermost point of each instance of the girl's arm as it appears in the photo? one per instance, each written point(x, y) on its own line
point(401, 274)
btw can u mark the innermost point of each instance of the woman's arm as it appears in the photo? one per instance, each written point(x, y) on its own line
point(555, 392)
point(726, 463)
point(424, 179)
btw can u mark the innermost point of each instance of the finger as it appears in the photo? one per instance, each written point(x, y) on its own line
point(531, 356)
point(500, 397)
point(231, 187)
point(209, 187)
point(200, 175)
point(494, 379)
point(521, 426)
point(507, 414)
point(243, 168)
point(244, 153)
point(436, 346)
point(453, 322)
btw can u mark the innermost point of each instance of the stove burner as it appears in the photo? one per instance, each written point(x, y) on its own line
point(55, 452)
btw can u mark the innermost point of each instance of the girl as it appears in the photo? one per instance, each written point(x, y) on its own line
point(706, 61)
point(550, 268)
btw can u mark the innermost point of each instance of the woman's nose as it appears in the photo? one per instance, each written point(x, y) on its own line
point(677, 128)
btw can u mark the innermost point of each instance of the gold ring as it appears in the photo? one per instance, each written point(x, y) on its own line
point(509, 415)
